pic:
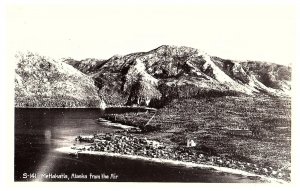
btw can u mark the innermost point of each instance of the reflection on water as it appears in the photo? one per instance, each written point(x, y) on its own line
point(38, 132)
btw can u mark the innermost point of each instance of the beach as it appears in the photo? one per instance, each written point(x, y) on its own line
point(69, 150)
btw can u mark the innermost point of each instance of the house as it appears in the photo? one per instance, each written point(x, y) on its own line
point(190, 143)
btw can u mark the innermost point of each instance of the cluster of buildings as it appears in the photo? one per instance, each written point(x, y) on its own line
point(131, 145)
point(124, 144)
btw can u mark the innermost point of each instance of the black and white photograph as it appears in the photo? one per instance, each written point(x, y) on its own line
point(162, 92)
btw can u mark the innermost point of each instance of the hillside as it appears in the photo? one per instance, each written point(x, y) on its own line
point(152, 78)
point(86, 66)
point(223, 127)
point(169, 72)
point(42, 82)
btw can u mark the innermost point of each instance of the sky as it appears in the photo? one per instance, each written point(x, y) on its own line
point(240, 32)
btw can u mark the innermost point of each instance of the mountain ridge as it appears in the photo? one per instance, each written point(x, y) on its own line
point(183, 66)
point(44, 82)
point(150, 78)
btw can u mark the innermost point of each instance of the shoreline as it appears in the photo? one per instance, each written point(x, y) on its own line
point(119, 125)
point(57, 107)
point(115, 124)
point(108, 107)
point(68, 150)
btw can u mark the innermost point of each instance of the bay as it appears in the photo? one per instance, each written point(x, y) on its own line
point(40, 131)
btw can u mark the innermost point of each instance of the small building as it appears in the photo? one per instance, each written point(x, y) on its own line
point(102, 105)
point(190, 143)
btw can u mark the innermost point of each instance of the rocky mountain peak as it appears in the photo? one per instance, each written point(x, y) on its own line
point(181, 68)
point(167, 72)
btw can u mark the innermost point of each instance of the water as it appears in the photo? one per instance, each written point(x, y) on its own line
point(38, 132)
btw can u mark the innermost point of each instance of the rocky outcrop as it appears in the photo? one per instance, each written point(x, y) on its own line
point(43, 82)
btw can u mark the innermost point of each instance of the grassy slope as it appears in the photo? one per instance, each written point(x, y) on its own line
point(214, 123)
